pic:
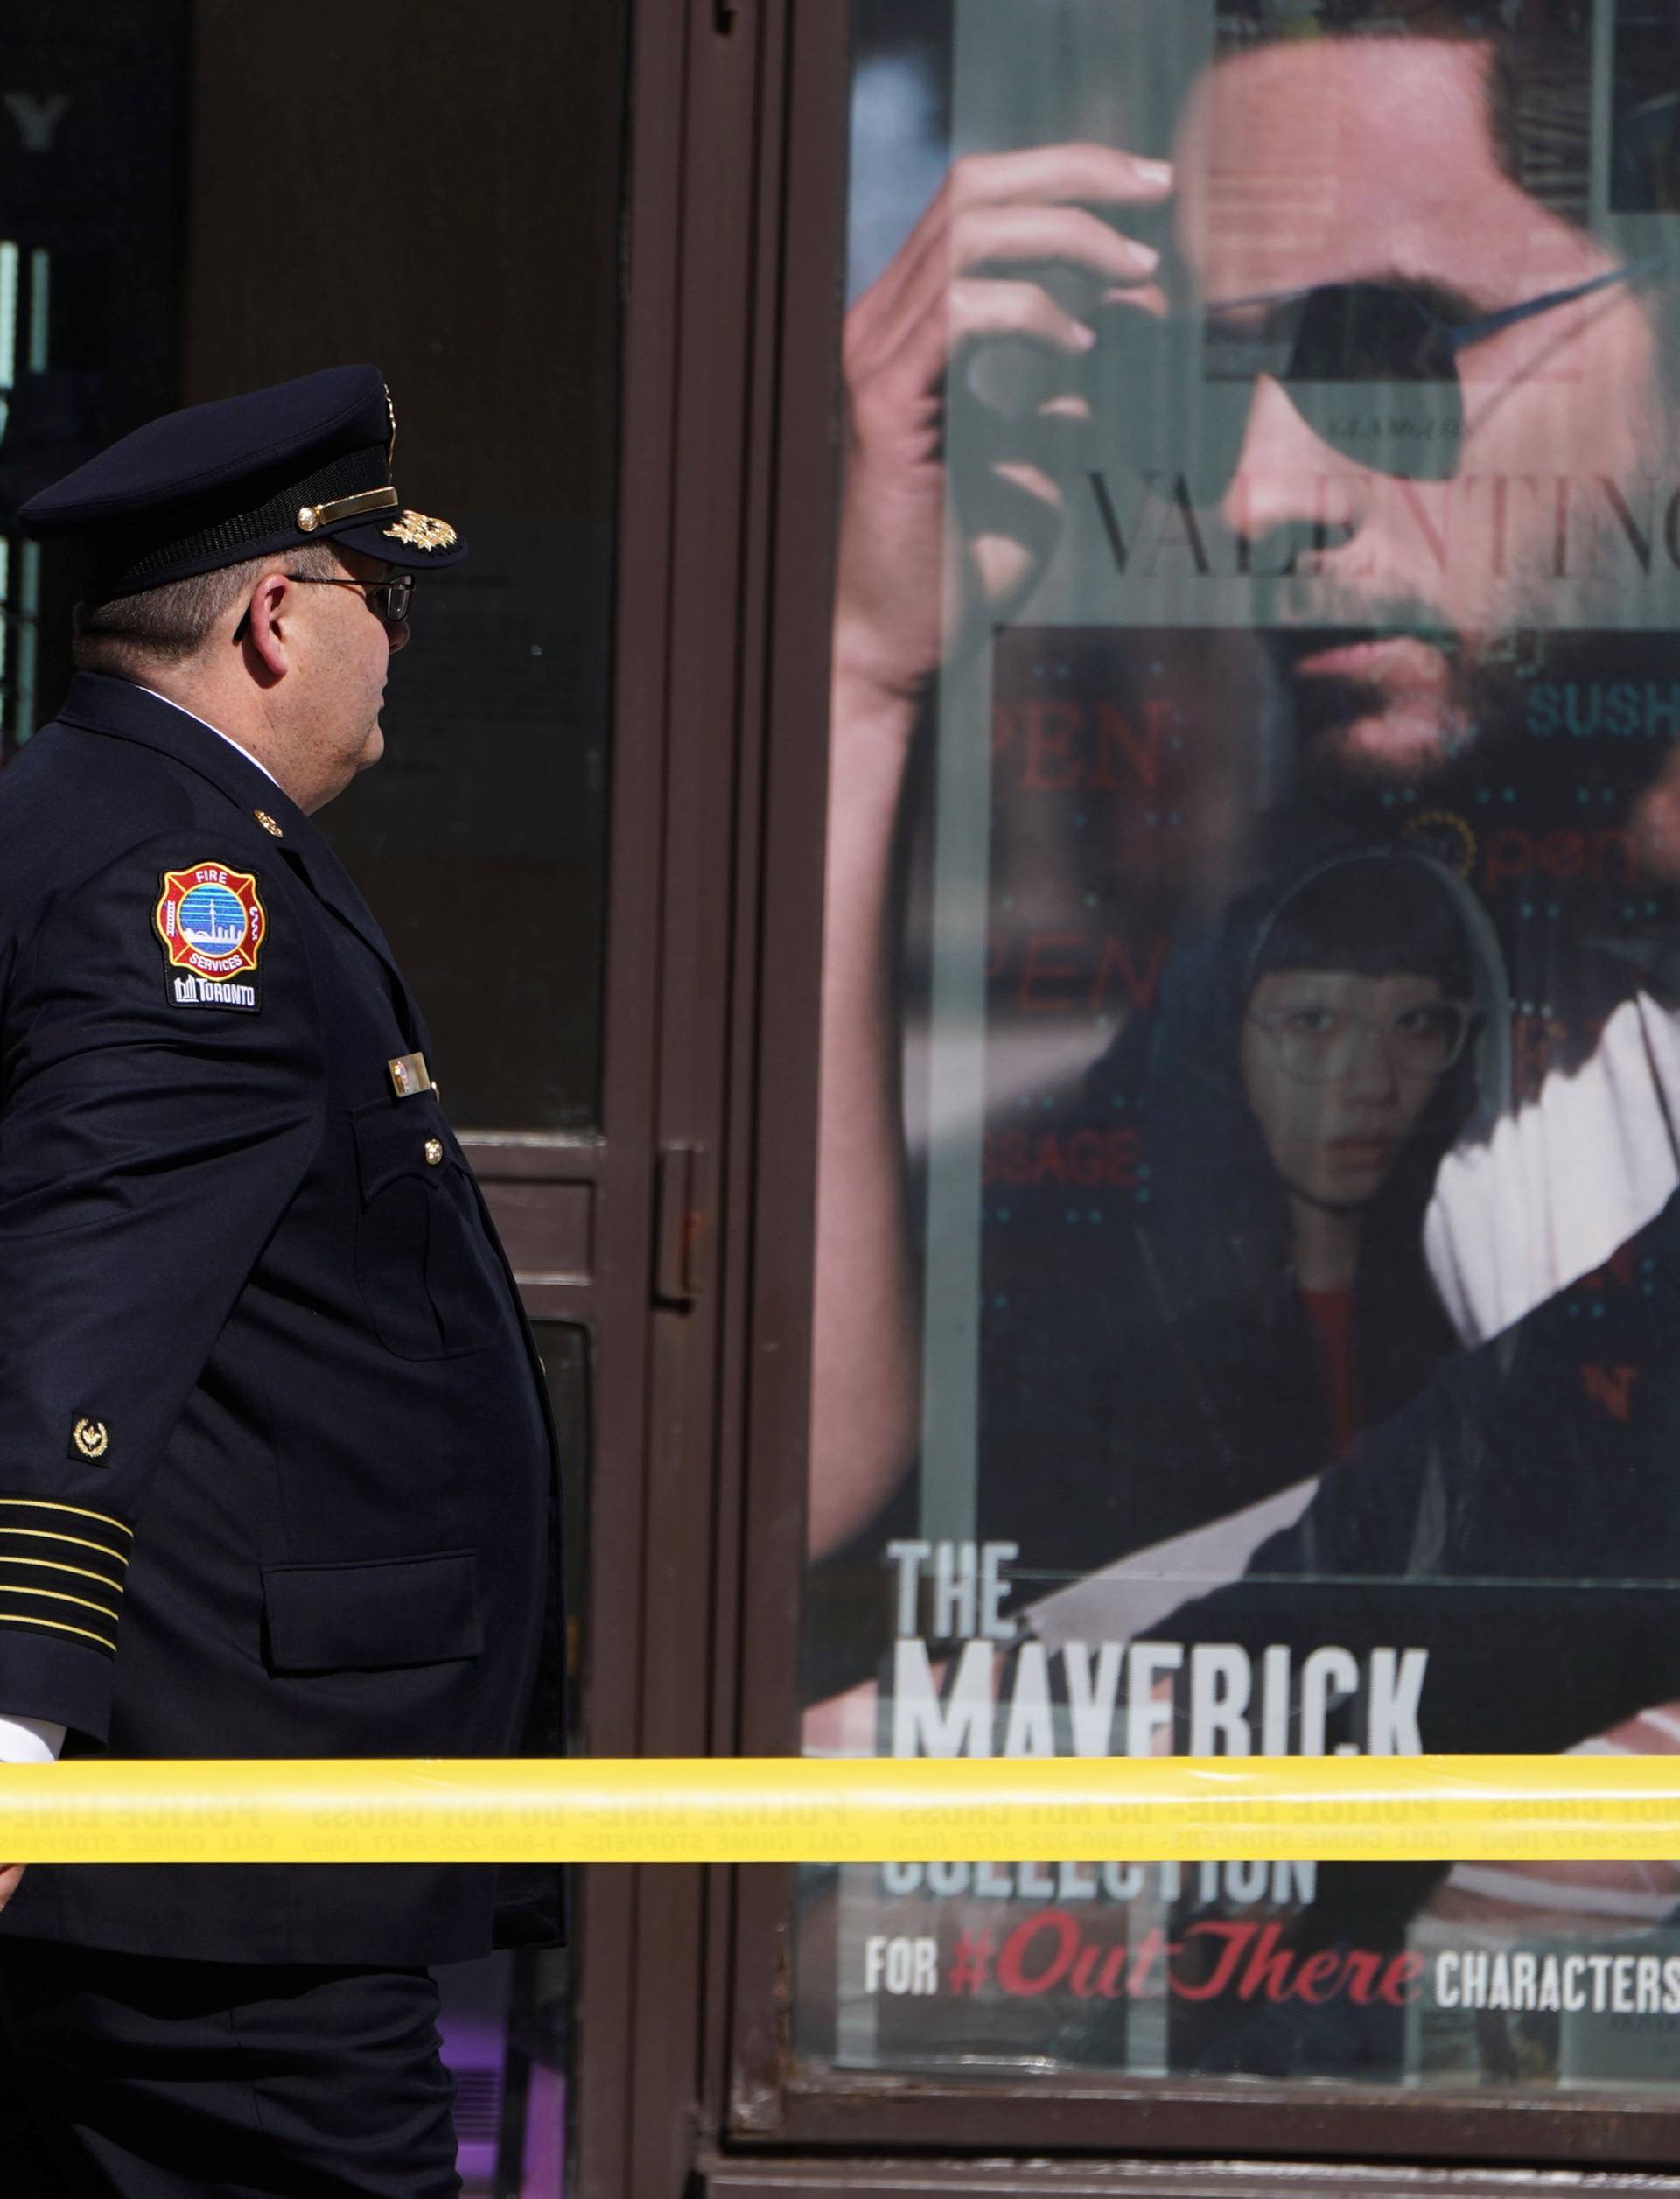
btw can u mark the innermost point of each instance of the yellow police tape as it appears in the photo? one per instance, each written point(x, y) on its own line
point(782, 1809)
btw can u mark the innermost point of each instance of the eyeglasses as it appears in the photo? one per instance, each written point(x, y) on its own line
point(388, 600)
point(1372, 368)
point(1318, 1043)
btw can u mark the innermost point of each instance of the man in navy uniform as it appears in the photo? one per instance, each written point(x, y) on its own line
point(278, 1475)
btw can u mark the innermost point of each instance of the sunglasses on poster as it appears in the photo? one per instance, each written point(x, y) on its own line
point(1373, 368)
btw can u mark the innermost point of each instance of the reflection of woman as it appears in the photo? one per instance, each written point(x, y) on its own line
point(1341, 1057)
point(1303, 1076)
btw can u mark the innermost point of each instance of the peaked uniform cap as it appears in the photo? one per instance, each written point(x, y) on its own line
point(303, 461)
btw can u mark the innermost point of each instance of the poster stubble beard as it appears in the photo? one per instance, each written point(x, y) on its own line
point(1479, 737)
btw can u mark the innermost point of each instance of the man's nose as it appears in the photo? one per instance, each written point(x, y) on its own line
point(1289, 481)
point(396, 633)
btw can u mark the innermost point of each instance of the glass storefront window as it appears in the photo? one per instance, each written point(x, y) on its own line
point(1248, 1251)
point(93, 144)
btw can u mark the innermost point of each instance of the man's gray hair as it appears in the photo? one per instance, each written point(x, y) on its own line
point(132, 635)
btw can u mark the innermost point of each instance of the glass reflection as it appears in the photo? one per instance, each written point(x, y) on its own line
point(1247, 1263)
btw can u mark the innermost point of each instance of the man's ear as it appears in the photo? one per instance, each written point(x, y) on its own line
point(265, 627)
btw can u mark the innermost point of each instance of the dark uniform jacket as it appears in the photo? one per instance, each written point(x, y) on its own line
point(278, 1475)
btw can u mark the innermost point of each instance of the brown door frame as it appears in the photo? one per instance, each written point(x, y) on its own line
point(908, 2177)
point(626, 1229)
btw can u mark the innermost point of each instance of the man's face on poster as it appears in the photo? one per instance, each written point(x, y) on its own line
point(1372, 161)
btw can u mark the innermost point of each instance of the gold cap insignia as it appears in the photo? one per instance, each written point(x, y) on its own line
point(421, 533)
point(269, 824)
point(92, 1439)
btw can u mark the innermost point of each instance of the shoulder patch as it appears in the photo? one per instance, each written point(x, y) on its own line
point(213, 924)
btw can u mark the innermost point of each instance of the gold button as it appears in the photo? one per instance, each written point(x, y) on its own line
point(434, 1151)
point(267, 824)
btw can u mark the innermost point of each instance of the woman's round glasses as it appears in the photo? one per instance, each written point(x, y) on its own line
point(1317, 1043)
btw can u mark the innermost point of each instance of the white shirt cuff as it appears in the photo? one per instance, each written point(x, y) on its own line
point(30, 1740)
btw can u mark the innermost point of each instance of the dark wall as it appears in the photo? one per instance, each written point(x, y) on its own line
point(435, 189)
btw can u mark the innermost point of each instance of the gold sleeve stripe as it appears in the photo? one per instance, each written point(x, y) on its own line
point(46, 1535)
point(16, 1588)
point(42, 1504)
point(24, 1619)
point(52, 1565)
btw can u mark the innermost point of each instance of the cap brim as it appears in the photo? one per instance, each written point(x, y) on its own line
point(375, 537)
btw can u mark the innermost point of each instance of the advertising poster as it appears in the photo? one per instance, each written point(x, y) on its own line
point(1247, 1281)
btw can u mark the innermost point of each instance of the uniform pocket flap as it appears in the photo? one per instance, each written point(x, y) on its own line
point(370, 1618)
point(399, 1137)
